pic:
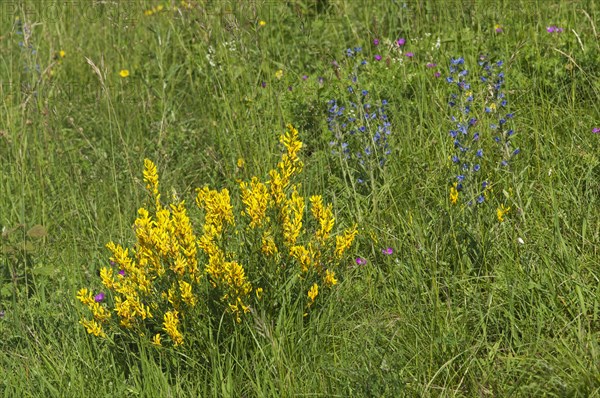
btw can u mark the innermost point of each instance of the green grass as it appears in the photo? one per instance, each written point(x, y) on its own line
point(443, 316)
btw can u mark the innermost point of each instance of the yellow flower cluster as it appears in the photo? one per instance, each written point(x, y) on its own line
point(256, 199)
point(324, 215)
point(501, 212)
point(154, 288)
point(289, 165)
point(227, 276)
point(99, 312)
point(454, 194)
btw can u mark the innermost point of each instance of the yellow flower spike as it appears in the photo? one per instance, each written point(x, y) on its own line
point(85, 296)
point(329, 279)
point(106, 274)
point(268, 244)
point(186, 293)
point(171, 322)
point(303, 256)
point(324, 216)
point(453, 194)
point(292, 213)
point(344, 241)
point(259, 293)
point(313, 292)
point(156, 340)
point(151, 179)
point(255, 199)
point(501, 212)
point(93, 327)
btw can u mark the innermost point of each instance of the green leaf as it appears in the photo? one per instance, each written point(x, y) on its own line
point(46, 270)
point(37, 231)
point(6, 290)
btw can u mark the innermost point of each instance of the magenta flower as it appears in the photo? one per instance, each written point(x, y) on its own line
point(437, 74)
point(554, 29)
point(304, 77)
point(360, 261)
point(409, 55)
point(596, 130)
point(122, 272)
point(400, 42)
point(99, 297)
point(376, 42)
point(431, 65)
point(387, 251)
point(377, 57)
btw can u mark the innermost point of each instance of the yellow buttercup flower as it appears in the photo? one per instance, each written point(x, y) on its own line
point(279, 74)
point(124, 73)
point(62, 53)
point(261, 23)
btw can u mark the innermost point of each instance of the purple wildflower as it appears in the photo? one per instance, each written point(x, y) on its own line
point(596, 130)
point(377, 57)
point(400, 42)
point(99, 297)
point(263, 84)
point(304, 77)
point(554, 29)
point(375, 42)
point(360, 261)
point(409, 55)
point(431, 65)
point(387, 251)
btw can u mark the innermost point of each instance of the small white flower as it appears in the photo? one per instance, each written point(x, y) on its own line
point(520, 240)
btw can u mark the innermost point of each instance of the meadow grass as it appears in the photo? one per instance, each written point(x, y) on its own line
point(465, 305)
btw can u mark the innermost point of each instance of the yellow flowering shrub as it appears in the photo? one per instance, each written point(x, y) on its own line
point(246, 254)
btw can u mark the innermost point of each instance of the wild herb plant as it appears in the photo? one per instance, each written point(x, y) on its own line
point(164, 284)
point(483, 146)
point(360, 127)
